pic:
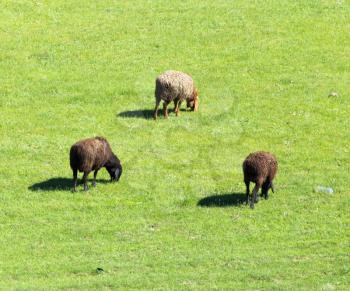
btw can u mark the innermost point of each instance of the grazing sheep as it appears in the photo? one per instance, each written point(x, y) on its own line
point(260, 168)
point(91, 155)
point(177, 87)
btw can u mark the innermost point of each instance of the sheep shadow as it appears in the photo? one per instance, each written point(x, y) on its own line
point(223, 200)
point(145, 113)
point(58, 184)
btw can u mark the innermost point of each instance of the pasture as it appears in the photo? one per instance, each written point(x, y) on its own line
point(175, 220)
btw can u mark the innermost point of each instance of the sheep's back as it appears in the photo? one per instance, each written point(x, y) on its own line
point(88, 155)
point(259, 165)
point(253, 170)
point(173, 84)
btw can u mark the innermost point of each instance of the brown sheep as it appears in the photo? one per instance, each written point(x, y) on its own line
point(175, 86)
point(259, 168)
point(91, 155)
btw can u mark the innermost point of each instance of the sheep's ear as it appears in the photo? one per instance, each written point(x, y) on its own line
point(196, 103)
point(118, 173)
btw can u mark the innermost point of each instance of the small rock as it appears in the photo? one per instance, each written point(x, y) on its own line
point(333, 94)
point(328, 286)
point(323, 189)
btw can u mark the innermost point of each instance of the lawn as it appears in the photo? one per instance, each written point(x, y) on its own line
point(175, 220)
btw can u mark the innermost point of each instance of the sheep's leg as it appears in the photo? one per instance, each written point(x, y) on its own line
point(165, 109)
point(265, 189)
point(94, 181)
point(75, 180)
point(175, 103)
point(254, 198)
point(178, 110)
point(272, 187)
point(247, 191)
point(156, 109)
point(85, 181)
point(177, 107)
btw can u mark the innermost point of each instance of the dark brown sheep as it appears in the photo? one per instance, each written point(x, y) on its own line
point(175, 86)
point(259, 168)
point(91, 155)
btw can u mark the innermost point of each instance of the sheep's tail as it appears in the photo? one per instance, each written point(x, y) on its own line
point(73, 158)
point(79, 159)
point(158, 90)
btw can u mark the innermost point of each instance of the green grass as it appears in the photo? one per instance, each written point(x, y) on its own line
point(264, 69)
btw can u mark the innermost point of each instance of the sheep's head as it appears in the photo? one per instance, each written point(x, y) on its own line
point(193, 101)
point(115, 172)
point(114, 169)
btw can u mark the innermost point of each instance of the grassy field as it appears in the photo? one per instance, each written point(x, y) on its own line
point(74, 69)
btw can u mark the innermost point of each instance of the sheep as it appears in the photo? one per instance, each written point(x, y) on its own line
point(175, 86)
point(91, 155)
point(259, 167)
